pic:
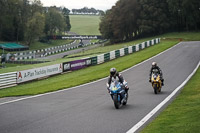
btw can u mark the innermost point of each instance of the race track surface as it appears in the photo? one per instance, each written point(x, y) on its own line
point(61, 55)
point(89, 108)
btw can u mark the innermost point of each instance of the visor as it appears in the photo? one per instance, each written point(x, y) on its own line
point(112, 73)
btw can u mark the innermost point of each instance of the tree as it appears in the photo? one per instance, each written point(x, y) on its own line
point(120, 23)
point(105, 27)
point(154, 17)
point(10, 19)
point(35, 27)
point(66, 12)
point(185, 14)
point(54, 22)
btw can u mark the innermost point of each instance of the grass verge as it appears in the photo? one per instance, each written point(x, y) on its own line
point(85, 75)
point(181, 116)
point(38, 45)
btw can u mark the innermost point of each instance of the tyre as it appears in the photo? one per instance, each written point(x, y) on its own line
point(155, 88)
point(116, 102)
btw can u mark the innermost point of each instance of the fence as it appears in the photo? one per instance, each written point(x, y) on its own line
point(121, 52)
point(8, 79)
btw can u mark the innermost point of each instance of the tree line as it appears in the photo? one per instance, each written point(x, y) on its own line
point(27, 20)
point(130, 19)
point(86, 10)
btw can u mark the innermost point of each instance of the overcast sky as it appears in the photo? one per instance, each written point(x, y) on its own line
point(77, 4)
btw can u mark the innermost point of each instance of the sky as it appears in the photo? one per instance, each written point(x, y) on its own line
point(78, 4)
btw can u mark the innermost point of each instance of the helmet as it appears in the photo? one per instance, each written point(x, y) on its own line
point(154, 64)
point(113, 71)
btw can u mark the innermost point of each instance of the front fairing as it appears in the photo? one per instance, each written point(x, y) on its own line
point(115, 87)
point(155, 78)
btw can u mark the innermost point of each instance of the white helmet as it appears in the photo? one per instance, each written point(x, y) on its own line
point(154, 64)
point(113, 71)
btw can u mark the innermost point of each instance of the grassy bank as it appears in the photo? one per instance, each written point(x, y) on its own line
point(53, 43)
point(85, 75)
point(181, 116)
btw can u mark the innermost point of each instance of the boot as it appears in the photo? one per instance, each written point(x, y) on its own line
point(162, 82)
point(126, 89)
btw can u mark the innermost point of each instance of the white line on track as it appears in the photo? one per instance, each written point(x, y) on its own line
point(20, 99)
point(159, 106)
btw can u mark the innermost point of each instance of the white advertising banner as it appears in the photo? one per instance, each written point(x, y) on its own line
point(31, 74)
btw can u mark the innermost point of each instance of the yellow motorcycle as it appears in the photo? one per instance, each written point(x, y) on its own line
point(156, 82)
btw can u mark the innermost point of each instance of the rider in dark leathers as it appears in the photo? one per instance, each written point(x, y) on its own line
point(153, 68)
point(114, 74)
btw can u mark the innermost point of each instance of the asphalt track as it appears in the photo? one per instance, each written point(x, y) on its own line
point(61, 55)
point(89, 108)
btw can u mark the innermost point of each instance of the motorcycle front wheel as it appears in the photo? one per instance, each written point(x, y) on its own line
point(116, 102)
point(155, 88)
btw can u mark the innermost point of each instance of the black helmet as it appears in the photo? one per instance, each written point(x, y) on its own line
point(154, 64)
point(113, 71)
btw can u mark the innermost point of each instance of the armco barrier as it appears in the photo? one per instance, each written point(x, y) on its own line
point(8, 80)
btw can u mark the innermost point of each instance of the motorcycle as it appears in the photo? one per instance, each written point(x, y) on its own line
point(118, 94)
point(156, 82)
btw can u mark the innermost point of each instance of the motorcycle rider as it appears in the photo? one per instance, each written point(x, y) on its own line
point(153, 68)
point(115, 75)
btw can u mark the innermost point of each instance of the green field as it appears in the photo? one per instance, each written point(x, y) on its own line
point(85, 24)
point(81, 24)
